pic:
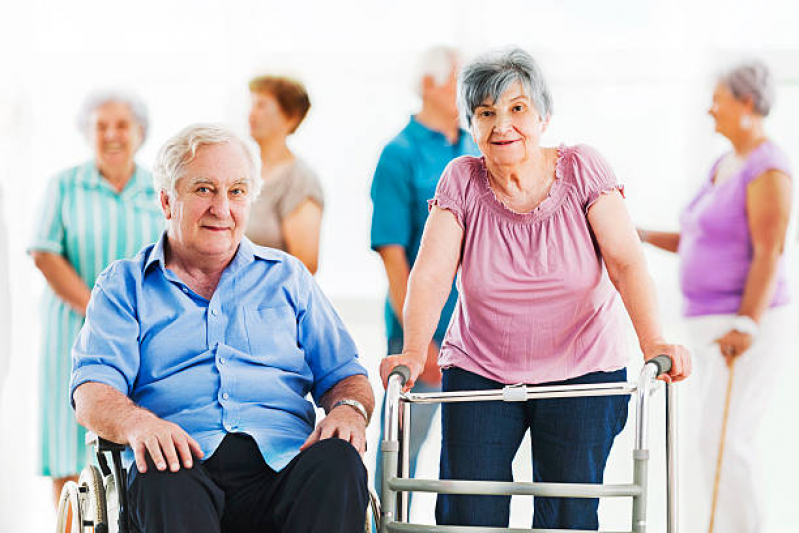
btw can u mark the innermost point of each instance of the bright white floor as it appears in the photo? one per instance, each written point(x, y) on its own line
point(25, 498)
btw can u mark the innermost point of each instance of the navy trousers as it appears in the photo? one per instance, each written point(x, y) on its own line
point(571, 439)
point(324, 489)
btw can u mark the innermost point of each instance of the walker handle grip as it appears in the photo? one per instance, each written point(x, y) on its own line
point(663, 364)
point(401, 371)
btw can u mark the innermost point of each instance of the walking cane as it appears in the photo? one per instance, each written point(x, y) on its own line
point(721, 446)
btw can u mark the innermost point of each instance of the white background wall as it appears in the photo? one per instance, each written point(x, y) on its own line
point(632, 77)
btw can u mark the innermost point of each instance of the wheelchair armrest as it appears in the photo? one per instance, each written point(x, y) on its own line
point(103, 445)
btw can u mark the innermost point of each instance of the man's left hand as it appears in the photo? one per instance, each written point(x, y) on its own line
point(342, 422)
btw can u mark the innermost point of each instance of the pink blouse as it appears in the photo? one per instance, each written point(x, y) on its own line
point(535, 302)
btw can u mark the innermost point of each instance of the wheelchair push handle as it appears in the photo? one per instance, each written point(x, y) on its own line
point(402, 372)
point(663, 364)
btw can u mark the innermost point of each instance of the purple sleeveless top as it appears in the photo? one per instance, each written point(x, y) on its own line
point(715, 245)
point(535, 302)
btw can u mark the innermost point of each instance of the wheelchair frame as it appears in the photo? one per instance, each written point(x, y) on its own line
point(395, 456)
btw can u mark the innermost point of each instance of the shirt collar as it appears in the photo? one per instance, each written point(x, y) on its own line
point(417, 129)
point(90, 175)
point(245, 255)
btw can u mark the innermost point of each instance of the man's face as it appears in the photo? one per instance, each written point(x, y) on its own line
point(444, 96)
point(208, 212)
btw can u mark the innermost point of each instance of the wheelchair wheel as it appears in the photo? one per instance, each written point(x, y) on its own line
point(69, 503)
point(112, 503)
point(93, 501)
point(373, 511)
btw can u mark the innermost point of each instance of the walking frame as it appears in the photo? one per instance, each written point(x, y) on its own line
point(394, 452)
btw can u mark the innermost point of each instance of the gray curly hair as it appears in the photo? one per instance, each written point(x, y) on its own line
point(490, 75)
point(751, 79)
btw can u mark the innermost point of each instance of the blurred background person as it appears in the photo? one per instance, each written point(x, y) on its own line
point(545, 255)
point(731, 248)
point(288, 213)
point(405, 179)
point(102, 210)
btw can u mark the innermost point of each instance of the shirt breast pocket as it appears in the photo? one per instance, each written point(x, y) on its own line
point(272, 335)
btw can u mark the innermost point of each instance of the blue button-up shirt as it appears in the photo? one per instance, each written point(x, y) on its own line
point(242, 361)
point(405, 179)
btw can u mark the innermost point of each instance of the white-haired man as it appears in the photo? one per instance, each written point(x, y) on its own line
point(198, 354)
point(406, 177)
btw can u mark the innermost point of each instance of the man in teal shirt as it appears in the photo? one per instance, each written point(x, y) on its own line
point(406, 177)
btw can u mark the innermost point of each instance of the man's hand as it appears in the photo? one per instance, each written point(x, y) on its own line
point(343, 422)
point(166, 443)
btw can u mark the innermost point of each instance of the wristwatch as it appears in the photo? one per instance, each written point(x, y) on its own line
point(355, 404)
point(745, 324)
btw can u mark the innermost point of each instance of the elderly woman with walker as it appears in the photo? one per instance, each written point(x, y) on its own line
point(545, 253)
point(731, 247)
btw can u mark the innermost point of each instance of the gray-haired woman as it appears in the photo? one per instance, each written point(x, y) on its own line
point(546, 254)
point(102, 210)
point(732, 274)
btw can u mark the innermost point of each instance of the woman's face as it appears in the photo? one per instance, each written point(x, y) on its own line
point(115, 135)
point(509, 130)
point(727, 111)
point(267, 119)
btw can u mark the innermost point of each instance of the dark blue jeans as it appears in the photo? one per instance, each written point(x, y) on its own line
point(571, 439)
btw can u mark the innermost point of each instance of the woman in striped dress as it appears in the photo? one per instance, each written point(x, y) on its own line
point(94, 213)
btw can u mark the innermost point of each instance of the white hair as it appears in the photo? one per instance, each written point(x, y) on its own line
point(436, 62)
point(180, 149)
point(101, 97)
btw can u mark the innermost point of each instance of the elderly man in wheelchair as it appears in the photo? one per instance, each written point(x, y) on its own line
point(198, 355)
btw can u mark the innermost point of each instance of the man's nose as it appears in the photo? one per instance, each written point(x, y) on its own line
point(220, 205)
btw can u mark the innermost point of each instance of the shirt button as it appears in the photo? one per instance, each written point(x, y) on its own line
point(185, 289)
point(214, 312)
point(222, 360)
point(225, 396)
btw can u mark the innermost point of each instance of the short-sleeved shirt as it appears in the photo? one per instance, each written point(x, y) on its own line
point(715, 243)
point(535, 302)
point(241, 362)
point(405, 179)
point(279, 198)
point(88, 222)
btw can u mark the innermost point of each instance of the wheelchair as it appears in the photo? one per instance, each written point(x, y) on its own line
point(98, 502)
point(394, 452)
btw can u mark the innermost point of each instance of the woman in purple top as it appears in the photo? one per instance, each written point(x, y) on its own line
point(730, 244)
point(544, 248)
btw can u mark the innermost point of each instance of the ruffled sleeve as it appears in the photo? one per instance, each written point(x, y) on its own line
point(452, 188)
point(593, 175)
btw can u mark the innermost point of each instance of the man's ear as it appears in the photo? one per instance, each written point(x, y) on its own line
point(545, 124)
point(166, 205)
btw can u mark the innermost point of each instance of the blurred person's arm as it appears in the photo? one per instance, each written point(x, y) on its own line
point(624, 259)
point(665, 240)
point(397, 271)
point(301, 230)
point(768, 208)
point(63, 279)
point(429, 285)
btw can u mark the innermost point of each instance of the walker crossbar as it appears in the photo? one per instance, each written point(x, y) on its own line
point(396, 483)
